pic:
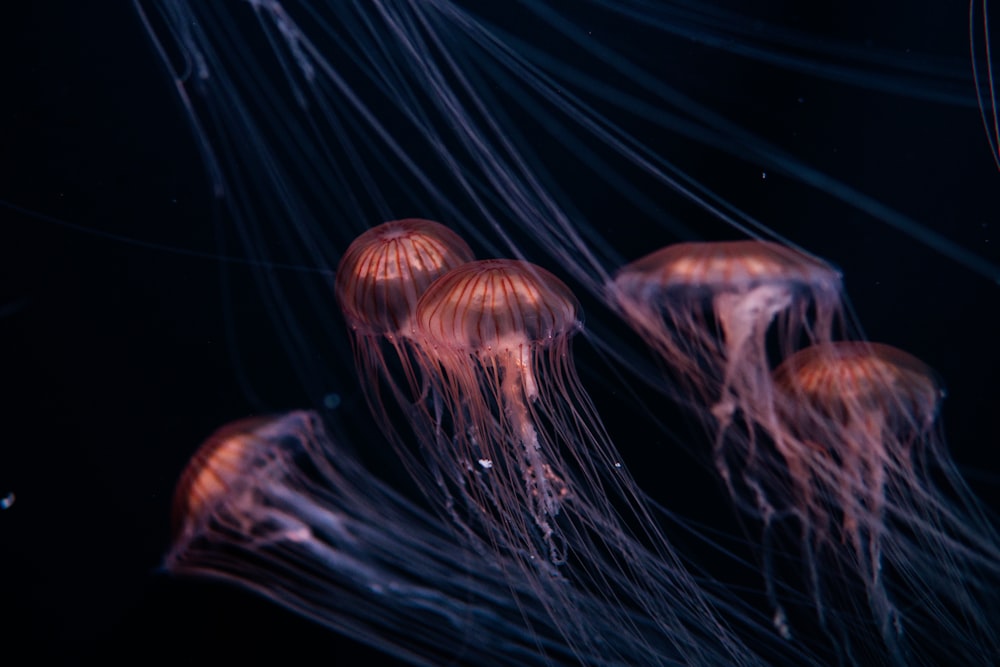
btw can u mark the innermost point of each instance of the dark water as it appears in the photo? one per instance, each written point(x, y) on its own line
point(120, 354)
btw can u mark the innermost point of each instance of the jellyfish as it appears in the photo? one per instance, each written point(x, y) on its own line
point(883, 399)
point(379, 280)
point(497, 332)
point(883, 500)
point(278, 506)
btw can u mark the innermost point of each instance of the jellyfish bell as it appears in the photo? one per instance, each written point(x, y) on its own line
point(214, 473)
point(495, 304)
point(386, 269)
point(860, 385)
